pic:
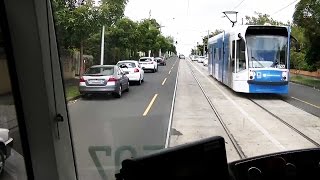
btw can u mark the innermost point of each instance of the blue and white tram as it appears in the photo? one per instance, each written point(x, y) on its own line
point(251, 59)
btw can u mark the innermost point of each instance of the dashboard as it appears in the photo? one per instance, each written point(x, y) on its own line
point(206, 159)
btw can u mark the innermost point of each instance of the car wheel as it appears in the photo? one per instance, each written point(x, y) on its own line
point(140, 82)
point(84, 96)
point(119, 93)
point(127, 90)
point(2, 161)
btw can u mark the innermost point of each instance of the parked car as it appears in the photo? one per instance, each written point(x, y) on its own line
point(201, 59)
point(135, 72)
point(195, 58)
point(148, 63)
point(161, 61)
point(205, 62)
point(6, 144)
point(104, 79)
point(181, 56)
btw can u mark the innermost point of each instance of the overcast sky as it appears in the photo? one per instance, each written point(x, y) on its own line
point(188, 20)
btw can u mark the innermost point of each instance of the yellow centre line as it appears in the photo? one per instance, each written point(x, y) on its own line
point(164, 81)
point(306, 102)
point(150, 105)
point(169, 72)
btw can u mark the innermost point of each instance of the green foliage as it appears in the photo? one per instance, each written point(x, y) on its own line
point(307, 15)
point(305, 80)
point(261, 19)
point(79, 26)
point(78, 23)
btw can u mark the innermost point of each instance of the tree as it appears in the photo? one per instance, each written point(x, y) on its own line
point(307, 16)
point(261, 19)
point(76, 24)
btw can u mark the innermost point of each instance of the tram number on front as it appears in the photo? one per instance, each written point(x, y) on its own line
point(281, 66)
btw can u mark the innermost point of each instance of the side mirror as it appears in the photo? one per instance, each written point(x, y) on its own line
point(126, 72)
point(295, 43)
point(240, 36)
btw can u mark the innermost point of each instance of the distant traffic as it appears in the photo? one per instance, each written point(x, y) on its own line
point(116, 79)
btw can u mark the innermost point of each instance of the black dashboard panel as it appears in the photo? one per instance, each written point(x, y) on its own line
point(204, 159)
point(293, 165)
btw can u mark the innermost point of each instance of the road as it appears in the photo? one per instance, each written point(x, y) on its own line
point(107, 130)
point(304, 97)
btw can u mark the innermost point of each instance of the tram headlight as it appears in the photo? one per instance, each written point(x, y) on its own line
point(284, 75)
point(251, 75)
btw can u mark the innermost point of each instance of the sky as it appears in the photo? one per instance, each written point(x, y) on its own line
point(189, 20)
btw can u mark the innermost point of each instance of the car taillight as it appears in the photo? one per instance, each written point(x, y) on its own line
point(82, 80)
point(112, 79)
point(136, 70)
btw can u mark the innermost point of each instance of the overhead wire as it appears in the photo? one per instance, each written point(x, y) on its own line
point(285, 7)
point(238, 5)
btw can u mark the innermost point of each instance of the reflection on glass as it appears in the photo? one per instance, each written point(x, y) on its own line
point(267, 51)
point(11, 155)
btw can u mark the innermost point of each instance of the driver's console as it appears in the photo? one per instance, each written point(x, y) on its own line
point(206, 159)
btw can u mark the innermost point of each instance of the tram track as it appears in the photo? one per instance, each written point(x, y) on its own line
point(214, 109)
point(286, 123)
point(282, 120)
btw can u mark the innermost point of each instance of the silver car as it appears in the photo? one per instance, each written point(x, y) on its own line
point(104, 79)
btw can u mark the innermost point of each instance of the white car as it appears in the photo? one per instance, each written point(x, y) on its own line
point(6, 144)
point(205, 62)
point(194, 58)
point(134, 70)
point(148, 63)
point(201, 59)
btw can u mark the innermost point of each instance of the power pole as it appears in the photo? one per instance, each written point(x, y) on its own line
point(102, 46)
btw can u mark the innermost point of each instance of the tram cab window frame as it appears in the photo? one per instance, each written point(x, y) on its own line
point(233, 55)
point(240, 56)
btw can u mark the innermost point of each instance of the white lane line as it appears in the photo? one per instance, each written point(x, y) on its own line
point(169, 72)
point(164, 81)
point(305, 102)
point(171, 111)
point(253, 121)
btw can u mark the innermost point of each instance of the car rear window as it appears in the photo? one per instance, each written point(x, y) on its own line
point(128, 64)
point(105, 71)
point(145, 59)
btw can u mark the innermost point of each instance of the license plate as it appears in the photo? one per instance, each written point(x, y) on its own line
point(96, 82)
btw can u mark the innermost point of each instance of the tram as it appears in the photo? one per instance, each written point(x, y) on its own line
point(251, 58)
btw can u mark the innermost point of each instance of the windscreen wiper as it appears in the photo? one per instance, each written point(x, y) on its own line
point(257, 61)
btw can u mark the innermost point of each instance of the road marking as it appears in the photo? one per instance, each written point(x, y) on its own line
point(171, 112)
point(169, 72)
point(150, 105)
point(164, 81)
point(171, 68)
point(252, 120)
point(305, 102)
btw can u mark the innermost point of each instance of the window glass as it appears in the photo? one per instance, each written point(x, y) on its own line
point(12, 165)
point(100, 71)
point(241, 60)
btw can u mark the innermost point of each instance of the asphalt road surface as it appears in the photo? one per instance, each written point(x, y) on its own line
point(304, 97)
point(107, 130)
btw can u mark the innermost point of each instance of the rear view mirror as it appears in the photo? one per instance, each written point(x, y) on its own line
point(295, 44)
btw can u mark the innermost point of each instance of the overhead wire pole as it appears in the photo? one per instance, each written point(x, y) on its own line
point(102, 46)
